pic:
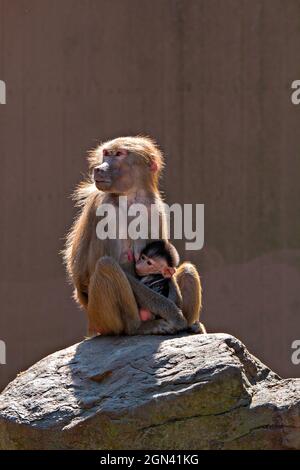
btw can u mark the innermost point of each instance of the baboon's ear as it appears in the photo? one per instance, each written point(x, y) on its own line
point(153, 165)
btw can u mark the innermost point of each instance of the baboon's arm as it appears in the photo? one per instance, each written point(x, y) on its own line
point(172, 317)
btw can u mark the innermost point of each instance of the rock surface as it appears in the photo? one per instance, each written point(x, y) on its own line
point(154, 392)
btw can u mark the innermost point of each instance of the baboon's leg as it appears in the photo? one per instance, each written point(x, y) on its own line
point(189, 283)
point(172, 319)
point(112, 308)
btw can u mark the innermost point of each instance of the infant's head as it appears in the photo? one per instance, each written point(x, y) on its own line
point(158, 257)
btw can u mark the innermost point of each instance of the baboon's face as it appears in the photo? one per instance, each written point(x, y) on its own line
point(119, 172)
point(146, 266)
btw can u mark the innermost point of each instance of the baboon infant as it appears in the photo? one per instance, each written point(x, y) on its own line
point(155, 269)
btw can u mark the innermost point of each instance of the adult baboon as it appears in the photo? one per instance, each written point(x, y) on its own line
point(102, 270)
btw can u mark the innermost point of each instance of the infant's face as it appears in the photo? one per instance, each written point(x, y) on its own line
point(145, 265)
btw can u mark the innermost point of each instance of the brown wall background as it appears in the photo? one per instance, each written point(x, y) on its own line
point(210, 80)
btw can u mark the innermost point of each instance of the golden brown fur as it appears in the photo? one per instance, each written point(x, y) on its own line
point(99, 269)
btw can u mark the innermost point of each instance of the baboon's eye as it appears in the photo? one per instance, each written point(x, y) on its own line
point(121, 153)
point(105, 153)
point(149, 263)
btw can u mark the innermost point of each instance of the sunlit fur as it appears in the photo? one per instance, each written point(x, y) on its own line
point(87, 196)
point(102, 284)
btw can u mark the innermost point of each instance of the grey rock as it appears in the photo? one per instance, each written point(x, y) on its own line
point(153, 392)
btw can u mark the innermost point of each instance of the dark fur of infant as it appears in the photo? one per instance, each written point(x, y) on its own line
point(155, 268)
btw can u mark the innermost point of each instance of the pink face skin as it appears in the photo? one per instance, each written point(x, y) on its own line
point(114, 173)
point(145, 266)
